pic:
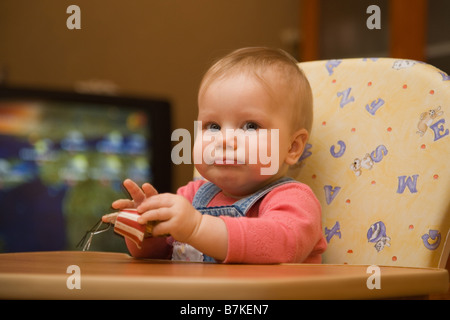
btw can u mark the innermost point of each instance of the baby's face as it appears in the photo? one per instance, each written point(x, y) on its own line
point(245, 135)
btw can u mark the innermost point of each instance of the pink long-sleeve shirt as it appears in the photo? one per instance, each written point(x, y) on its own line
point(283, 226)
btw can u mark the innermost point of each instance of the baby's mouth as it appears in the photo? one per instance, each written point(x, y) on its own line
point(228, 157)
point(228, 161)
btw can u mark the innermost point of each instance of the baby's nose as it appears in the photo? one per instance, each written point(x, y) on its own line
point(230, 143)
point(229, 140)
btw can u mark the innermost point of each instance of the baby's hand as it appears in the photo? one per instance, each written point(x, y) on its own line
point(137, 194)
point(175, 214)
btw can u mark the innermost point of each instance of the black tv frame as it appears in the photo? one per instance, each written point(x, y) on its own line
point(159, 111)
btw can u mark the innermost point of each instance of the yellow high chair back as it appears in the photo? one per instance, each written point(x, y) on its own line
point(378, 160)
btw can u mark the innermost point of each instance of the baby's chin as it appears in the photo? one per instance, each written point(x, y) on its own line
point(239, 187)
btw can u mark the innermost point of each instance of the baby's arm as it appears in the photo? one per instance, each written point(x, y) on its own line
point(287, 229)
point(177, 217)
point(211, 237)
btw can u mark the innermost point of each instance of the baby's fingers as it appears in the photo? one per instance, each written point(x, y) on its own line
point(133, 189)
point(160, 214)
point(161, 229)
point(149, 190)
point(156, 201)
point(110, 218)
point(123, 204)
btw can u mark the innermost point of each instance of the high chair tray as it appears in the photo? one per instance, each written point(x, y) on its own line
point(101, 275)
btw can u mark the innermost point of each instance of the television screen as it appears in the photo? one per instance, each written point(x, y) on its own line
point(63, 158)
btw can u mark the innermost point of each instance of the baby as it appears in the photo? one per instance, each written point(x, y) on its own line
point(240, 214)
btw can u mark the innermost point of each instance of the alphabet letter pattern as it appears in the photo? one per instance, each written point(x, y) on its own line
point(377, 159)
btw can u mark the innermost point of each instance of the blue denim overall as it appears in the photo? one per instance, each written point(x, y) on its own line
point(206, 192)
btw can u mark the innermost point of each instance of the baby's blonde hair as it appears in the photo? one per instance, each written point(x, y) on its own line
point(255, 61)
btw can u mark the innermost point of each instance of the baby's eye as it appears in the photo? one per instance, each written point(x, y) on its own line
point(250, 126)
point(212, 127)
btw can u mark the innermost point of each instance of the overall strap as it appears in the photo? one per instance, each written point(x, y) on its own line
point(208, 191)
point(205, 194)
point(243, 205)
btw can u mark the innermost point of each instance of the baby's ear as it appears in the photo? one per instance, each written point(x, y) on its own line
point(298, 142)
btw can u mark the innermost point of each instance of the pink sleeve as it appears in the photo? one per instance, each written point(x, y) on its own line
point(287, 229)
point(188, 191)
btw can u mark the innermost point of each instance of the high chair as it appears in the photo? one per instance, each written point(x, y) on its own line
point(377, 159)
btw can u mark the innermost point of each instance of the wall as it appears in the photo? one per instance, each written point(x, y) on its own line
point(143, 47)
